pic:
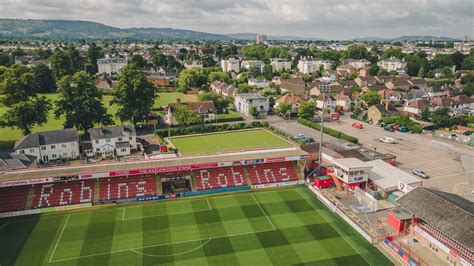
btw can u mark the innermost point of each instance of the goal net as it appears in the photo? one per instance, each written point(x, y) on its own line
point(366, 202)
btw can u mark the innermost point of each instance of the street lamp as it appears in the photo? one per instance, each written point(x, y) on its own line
point(324, 89)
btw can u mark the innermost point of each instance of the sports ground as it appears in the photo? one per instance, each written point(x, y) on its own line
point(228, 141)
point(280, 227)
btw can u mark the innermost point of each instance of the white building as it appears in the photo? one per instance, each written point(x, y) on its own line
point(259, 83)
point(50, 145)
point(244, 101)
point(358, 63)
point(392, 64)
point(247, 64)
point(279, 64)
point(193, 64)
point(351, 170)
point(110, 66)
point(231, 64)
point(261, 38)
point(308, 65)
point(111, 141)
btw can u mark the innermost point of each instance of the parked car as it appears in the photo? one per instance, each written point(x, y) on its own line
point(403, 129)
point(357, 125)
point(388, 140)
point(467, 133)
point(453, 136)
point(299, 136)
point(420, 173)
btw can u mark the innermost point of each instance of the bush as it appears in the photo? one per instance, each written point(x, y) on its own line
point(200, 129)
point(329, 131)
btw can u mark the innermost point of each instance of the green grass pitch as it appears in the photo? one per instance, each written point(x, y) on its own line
point(272, 227)
point(228, 141)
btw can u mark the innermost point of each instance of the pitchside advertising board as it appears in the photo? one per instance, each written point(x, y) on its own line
point(144, 171)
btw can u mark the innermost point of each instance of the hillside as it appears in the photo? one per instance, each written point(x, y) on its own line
point(68, 29)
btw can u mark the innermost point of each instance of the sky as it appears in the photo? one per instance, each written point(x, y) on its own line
point(329, 19)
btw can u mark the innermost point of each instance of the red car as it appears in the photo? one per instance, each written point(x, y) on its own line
point(358, 125)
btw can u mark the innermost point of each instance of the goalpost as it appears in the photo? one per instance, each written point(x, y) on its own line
point(366, 202)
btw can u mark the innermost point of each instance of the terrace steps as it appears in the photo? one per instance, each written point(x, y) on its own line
point(247, 176)
point(29, 199)
point(298, 172)
point(159, 186)
point(96, 191)
point(193, 182)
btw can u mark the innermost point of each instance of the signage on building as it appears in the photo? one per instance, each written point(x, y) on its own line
point(404, 187)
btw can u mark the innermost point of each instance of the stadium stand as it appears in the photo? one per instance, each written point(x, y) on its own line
point(127, 187)
point(272, 172)
point(220, 177)
point(13, 198)
point(63, 193)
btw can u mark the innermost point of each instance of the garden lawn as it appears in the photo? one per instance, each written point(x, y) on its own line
point(8, 136)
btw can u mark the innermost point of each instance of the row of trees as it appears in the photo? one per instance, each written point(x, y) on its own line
point(79, 101)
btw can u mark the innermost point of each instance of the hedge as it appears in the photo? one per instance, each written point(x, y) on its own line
point(228, 119)
point(210, 128)
point(329, 131)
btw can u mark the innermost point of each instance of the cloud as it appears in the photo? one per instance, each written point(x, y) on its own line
point(330, 19)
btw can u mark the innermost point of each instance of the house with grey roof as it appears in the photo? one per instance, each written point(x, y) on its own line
point(50, 145)
point(245, 101)
point(111, 141)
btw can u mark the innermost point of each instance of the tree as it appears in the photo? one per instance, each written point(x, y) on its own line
point(468, 78)
point(357, 110)
point(93, 53)
point(468, 89)
point(80, 101)
point(44, 78)
point(139, 61)
point(133, 94)
point(440, 117)
point(425, 113)
point(307, 110)
point(77, 62)
point(219, 102)
point(457, 59)
point(192, 78)
point(219, 75)
point(253, 111)
point(24, 108)
point(357, 52)
point(374, 70)
point(371, 98)
point(253, 51)
point(268, 71)
point(185, 116)
point(61, 64)
point(283, 109)
point(392, 52)
point(5, 60)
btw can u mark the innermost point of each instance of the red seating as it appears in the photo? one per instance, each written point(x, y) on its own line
point(220, 177)
point(13, 198)
point(272, 172)
point(63, 193)
point(127, 187)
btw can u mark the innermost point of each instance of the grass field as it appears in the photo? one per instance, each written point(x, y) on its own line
point(227, 141)
point(273, 227)
point(9, 135)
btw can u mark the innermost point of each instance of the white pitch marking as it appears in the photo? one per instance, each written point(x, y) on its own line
point(263, 212)
point(59, 238)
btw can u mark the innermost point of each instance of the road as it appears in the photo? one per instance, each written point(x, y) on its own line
point(450, 165)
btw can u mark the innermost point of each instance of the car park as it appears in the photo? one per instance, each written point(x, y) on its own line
point(420, 173)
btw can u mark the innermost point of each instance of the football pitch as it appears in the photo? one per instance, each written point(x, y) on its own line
point(228, 141)
point(270, 227)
